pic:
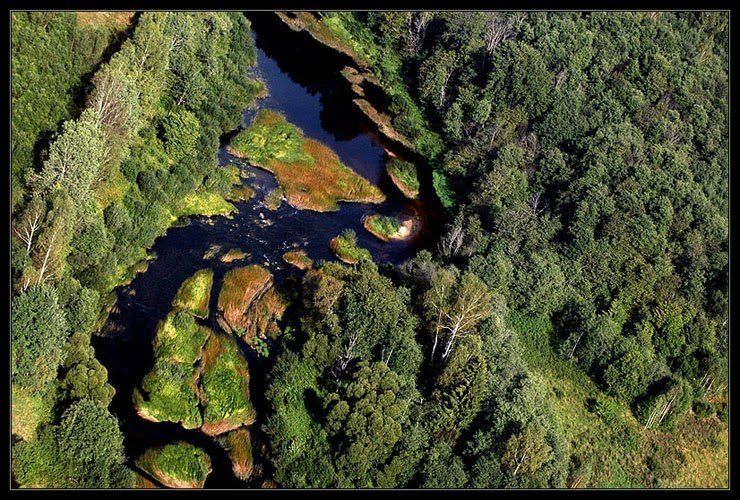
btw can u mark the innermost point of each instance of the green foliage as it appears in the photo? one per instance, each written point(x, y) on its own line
point(73, 158)
point(444, 469)
point(459, 390)
point(271, 137)
point(107, 185)
point(300, 450)
point(85, 376)
point(52, 54)
point(39, 332)
point(442, 189)
point(366, 420)
point(225, 385)
point(383, 225)
point(404, 172)
point(84, 451)
point(181, 132)
point(170, 394)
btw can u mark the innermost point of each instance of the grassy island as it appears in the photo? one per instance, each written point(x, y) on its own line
point(403, 174)
point(177, 465)
point(299, 259)
point(388, 228)
point(233, 255)
point(248, 303)
point(310, 174)
point(346, 249)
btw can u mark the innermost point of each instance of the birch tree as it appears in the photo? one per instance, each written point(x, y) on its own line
point(454, 307)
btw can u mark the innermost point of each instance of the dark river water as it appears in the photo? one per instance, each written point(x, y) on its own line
point(305, 86)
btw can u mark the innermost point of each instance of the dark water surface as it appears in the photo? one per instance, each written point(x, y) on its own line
point(304, 84)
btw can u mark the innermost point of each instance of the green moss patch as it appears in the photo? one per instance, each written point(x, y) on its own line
point(225, 387)
point(346, 249)
point(310, 174)
point(169, 394)
point(180, 338)
point(178, 465)
point(194, 294)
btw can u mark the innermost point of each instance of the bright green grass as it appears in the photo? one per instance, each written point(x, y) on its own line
point(180, 338)
point(606, 434)
point(270, 137)
point(169, 391)
point(202, 203)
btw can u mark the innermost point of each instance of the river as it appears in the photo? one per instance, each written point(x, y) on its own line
point(304, 84)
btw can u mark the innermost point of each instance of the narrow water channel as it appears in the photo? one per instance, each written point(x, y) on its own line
point(306, 87)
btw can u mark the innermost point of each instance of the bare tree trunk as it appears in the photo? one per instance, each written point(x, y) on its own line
point(46, 257)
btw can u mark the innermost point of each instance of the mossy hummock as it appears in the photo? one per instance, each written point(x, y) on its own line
point(346, 249)
point(389, 228)
point(194, 294)
point(299, 259)
point(177, 465)
point(404, 176)
point(169, 392)
point(225, 387)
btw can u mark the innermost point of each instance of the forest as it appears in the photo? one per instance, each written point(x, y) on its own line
point(567, 327)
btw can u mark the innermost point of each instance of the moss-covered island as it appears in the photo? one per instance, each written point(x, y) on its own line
point(310, 174)
point(169, 392)
point(225, 387)
point(234, 254)
point(299, 259)
point(200, 378)
point(346, 249)
point(194, 294)
point(404, 176)
point(388, 228)
point(248, 303)
point(177, 465)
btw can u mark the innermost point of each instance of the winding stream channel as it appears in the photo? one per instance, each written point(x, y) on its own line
point(304, 84)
